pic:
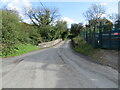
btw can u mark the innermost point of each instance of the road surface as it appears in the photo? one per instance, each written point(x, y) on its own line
point(56, 67)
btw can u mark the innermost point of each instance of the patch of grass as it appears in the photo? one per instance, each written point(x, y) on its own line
point(66, 39)
point(21, 49)
point(81, 46)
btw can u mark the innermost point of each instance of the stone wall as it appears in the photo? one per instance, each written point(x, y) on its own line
point(49, 44)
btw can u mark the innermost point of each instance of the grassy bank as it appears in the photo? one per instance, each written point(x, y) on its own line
point(80, 45)
point(102, 56)
point(21, 49)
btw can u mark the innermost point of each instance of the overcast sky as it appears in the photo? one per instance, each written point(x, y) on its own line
point(70, 11)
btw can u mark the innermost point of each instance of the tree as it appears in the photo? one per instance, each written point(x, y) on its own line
point(113, 17)
point(61, 29)
point(0, 26)
point(29, 34)
point(76, 28)
point(107, 24)
point(42, 16)
point(117, 24)
point(10, 30)
point(95, 12)
point(46, 33)
point(10, 26)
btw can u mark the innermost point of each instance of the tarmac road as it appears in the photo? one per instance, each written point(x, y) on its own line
point(56, 67)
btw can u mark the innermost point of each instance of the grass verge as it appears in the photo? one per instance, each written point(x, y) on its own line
point(101, 56)
point(21, 49)
point(80, 45)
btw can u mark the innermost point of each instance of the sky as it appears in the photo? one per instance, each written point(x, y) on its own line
point(69, 11)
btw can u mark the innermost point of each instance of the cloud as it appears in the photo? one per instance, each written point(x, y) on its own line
point(68, 20)
point(27, 20)
point(11, 6)
point(103, 4)
point(17, 5)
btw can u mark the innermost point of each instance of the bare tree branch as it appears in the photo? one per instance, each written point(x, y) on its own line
point(42, 16)
point(94, 12)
